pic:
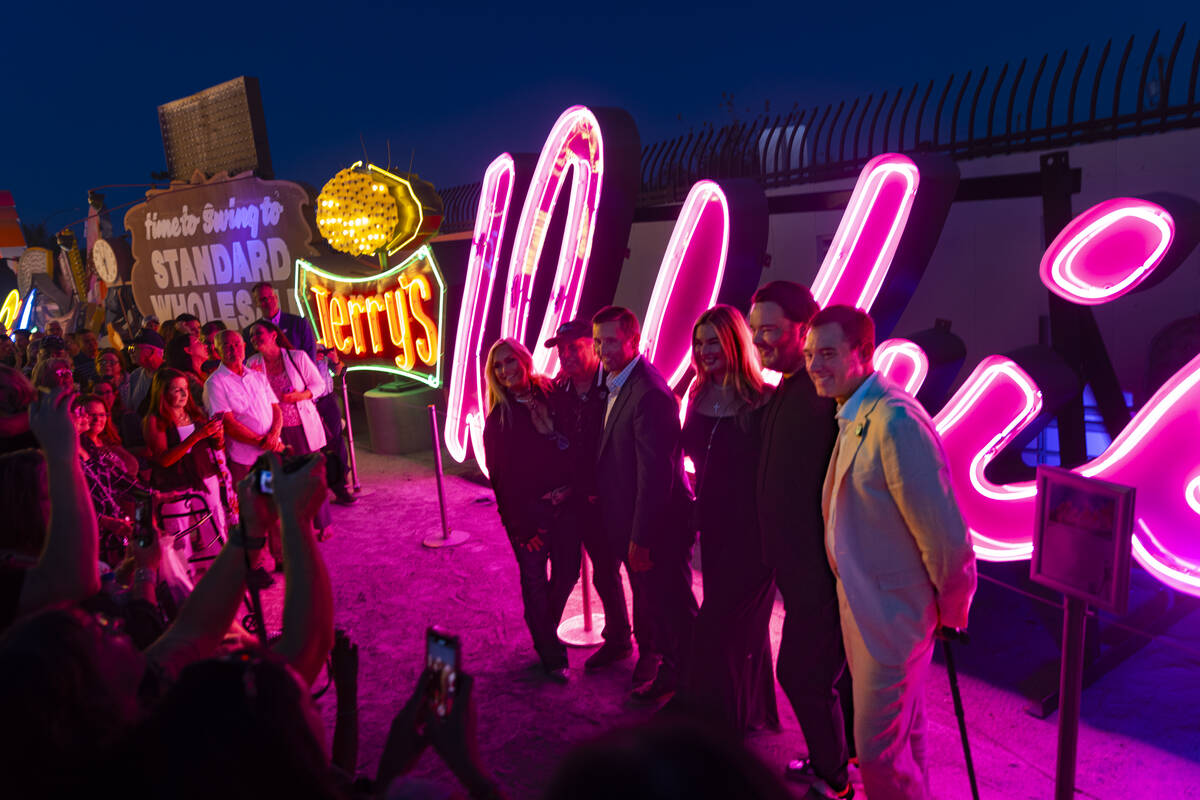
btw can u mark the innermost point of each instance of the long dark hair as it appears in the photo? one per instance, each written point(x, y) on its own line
point(157, 405)
point(280, 337)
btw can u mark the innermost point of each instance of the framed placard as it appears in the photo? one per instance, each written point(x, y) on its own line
point(1081, 543)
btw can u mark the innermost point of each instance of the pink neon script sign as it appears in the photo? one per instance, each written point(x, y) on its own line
point(574, 142)
point(689, 279)
point(1107, 250)
point(902, 361)
point(867, 237)
point(465, 407)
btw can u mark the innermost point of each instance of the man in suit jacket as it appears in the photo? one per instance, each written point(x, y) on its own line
point(897, 544)
point(297, 329)
point(797, 436)
point(644, 498)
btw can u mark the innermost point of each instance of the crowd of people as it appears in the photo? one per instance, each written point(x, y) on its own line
point(828, 485)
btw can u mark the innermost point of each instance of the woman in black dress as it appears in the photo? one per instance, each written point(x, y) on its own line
point(530, 471)
point(730, 680)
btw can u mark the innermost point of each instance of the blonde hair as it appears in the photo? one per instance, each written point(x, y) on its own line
point(737, 346)
point(497, 394)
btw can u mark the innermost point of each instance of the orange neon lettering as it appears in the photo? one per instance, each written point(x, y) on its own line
point(418, 290)
point(357, 307)
point(399, 328)
point(322, 313)
point(374, 306)
point(339, 317)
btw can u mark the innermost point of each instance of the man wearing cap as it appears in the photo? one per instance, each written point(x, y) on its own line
point(148, 355)
point(582, 399)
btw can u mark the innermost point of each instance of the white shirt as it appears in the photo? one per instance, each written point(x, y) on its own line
point(615, 382)
point(249, 398)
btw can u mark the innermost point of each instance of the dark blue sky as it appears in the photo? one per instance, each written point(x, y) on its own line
point(461, 85)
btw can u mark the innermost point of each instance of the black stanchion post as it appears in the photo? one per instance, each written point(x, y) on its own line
point(583, 630)
point(448, 538)
point(1070, 691)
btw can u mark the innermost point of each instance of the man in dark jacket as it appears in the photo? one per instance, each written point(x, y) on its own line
point(644, 498)
point(797, 439)
point(582, 399)
point(297, 329)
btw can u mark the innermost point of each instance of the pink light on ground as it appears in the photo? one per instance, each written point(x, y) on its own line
point(904, 362)
point(870, 230)
point(689, 279)
point(1107, 251)
point(574, 143)
point(995, 403)
point(465, 405)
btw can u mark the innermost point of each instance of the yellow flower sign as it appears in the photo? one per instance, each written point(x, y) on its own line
point(365, 210)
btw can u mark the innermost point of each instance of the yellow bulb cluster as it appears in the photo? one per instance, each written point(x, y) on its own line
point(356, 213)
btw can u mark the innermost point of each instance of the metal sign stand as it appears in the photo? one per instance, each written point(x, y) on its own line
point(448, 538)
point(583, 630)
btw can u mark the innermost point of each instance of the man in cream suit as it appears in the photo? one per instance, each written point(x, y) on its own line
point(897, 544)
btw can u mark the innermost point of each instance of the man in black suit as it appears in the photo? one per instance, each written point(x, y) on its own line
point(297, 329)
point(644, 498)
point(797, 438)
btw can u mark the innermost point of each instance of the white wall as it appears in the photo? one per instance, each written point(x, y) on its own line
point(983, 275)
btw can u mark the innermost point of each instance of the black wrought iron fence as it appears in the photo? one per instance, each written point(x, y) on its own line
point(1111, 94)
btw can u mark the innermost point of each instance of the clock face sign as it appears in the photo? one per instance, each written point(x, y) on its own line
point(112, 260)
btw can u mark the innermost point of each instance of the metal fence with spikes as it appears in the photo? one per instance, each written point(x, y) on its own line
point(992, 112)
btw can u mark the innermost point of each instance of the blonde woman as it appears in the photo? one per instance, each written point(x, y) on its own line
point(530, 469)
point(729, 677)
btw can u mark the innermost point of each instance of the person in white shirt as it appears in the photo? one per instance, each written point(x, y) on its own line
point(247, 405)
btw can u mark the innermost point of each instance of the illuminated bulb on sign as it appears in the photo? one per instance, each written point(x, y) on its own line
point(353, 192)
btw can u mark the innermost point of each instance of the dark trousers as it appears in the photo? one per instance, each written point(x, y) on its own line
point(584, 523)
point(336, 457)
point(663, 602)
point(812, 669)
point(544, 598)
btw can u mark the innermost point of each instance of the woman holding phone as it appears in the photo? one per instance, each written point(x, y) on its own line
point(295, 380)
point(181, 443)
point(529, 467)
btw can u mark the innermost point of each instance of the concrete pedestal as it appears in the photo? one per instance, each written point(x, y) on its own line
point(398, 421)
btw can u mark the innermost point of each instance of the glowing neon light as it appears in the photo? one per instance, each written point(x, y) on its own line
point(465, 408)
point(904, 362)
point(997, 395)
point(1107, 250)
point(867, 237)
point(10, 309)
point(27, 311)
point(414, 306)
point(574, 143)
point(366, 209)
point(689, 279)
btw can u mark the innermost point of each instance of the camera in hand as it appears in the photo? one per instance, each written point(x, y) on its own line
point(264, 478)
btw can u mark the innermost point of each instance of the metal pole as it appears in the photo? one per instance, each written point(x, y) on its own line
point(349, 433)
point(1070, 690)
point(448, 538)
point(437, 465)
point(580, 630)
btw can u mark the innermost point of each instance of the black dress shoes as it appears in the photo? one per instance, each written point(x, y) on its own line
point(663, 686)
point(646, 668)
point(557, 675)
point(609, 653)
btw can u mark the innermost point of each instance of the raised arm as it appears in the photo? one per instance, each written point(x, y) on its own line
point(67, 570)
point(308, 600)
